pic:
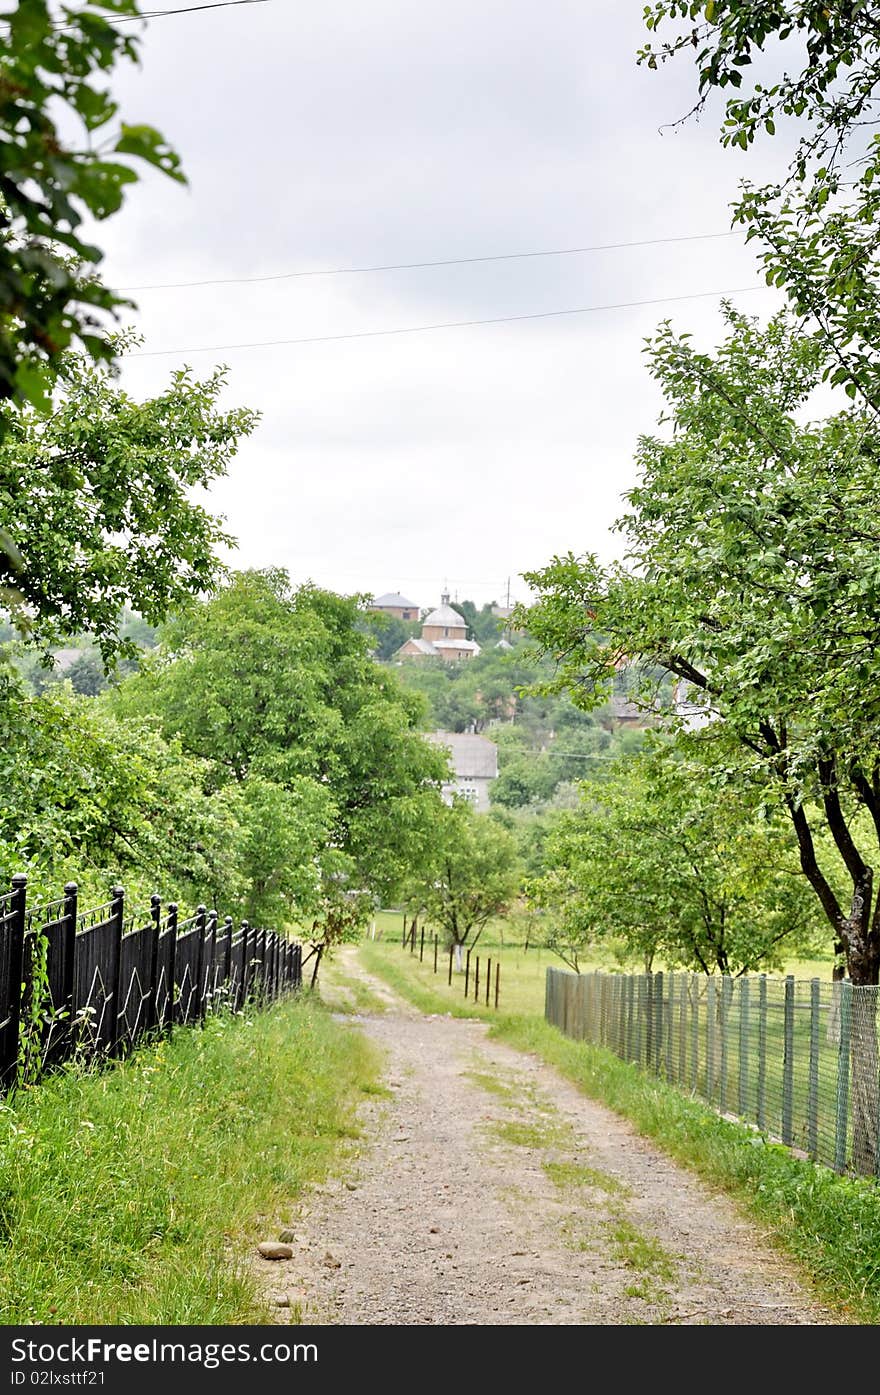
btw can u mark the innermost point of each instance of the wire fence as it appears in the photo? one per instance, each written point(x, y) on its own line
point(89, 984)
point(796, 1058)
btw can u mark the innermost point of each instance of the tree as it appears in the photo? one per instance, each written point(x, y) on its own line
point(276, 690)
point(97, 503)
point(660, 859)
point(752, 578)
point(96, 800)
point(61, 165)
point(471, 876)
point(817, 225)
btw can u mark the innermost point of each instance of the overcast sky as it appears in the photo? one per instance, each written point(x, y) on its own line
point(344, 134)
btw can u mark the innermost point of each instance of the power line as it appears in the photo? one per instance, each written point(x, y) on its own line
point(413, 266)
point(450, 324)
point(160, 14)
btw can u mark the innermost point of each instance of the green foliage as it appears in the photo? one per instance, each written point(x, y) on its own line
point(275, 692)
point(97, 503)
point(663, 861)
point(62, 162)
point(389, 633)
point(97, 800)
point(122, 1190)
point(752, 579)
point(817, 225)
point(471, 873)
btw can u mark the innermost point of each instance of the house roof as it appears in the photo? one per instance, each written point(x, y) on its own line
point(394, 598)
point(423, 645)
point(447, 617)
point(473, 757)
point(469, 644)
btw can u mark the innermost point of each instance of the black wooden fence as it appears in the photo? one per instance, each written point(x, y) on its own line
point(90, 983)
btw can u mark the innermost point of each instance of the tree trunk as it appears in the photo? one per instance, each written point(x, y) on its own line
point(457, 957)
point(863, 963)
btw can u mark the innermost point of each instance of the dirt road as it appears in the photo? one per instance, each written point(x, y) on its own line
point(489, 1190)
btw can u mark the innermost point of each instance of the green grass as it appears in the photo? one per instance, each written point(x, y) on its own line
point(570, 1176)
point(135, 1194)
point(829, 1224)
point(635, 1249)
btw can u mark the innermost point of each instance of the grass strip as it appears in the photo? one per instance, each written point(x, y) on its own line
point(829, 1224)
point(130, 1195)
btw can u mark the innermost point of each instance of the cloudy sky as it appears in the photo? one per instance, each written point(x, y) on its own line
point(343, 134)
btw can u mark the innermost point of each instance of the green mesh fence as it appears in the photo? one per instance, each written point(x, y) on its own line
point(797, 1058)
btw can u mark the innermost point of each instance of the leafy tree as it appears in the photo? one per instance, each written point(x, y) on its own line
point(659, 857)
point(389, 633)
point(276, 690)
point(817, 225)
point(96, 800)
point(752, 578)
point(97, 507)
point(471, 876)
point(484, 627)
point(62, 161)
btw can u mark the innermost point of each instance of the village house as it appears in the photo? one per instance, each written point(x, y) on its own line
point(444, 636)
point(397, 606)
point(474, 765)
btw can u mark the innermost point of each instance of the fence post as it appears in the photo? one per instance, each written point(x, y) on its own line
point(117, 915)
point(488, 979)
point(422, 946)
point(156, 917)
point(477, 981)
point(467, 972)
point(813, 1096)
point(694, 995)
point(842, 1111)
point(724, 1006)
point(211, 992)
point(788, 1062)
point(743, 1044)
point(670, 1019)
point(18, 921)
point(245, 964)
point(68, 951)
point(658, 1022)
point(710, 1039)
point(436, 948)
point(683, 997)
point(451, 952)
point(497, 981)
point(403, 939)
point(172, 968)
point(201, 926)
point(761, 1111)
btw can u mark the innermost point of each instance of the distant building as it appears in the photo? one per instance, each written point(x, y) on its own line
point(474, 763)
point(444, 636)
point(398, 606)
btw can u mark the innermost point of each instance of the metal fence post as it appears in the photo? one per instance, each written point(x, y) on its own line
point(724, 1006)
point(694, 995)
point(670, 1019)
point(117, 915)
point(201, 926)
point(761, 1111)
point(171, 1002)
point(156, 917)
point(710, 1039)
point(17, 916)
point(658, 1022)
point(68, 951)
point(788, 1062)
point(843, 1065)
point(744, 1023)
point(813, 1094)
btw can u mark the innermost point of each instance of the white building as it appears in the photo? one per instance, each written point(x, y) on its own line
point(474, 763)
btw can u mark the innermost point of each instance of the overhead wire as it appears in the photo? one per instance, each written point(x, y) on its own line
point(448, 324)
point(412, 266)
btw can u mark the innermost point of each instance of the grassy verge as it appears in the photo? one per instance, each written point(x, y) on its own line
point(130, 1195)
point(829, 1224)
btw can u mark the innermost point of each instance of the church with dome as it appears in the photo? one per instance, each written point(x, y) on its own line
point(444, 636)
